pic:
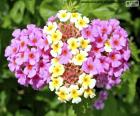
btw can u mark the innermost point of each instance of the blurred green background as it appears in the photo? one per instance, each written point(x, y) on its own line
point(16, 100)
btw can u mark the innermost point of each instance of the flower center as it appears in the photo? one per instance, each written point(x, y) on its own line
point(99, 40)
point(113, 57)
point(68, 31)
point(31, 55)
point(71, 74)
point(88, 33)
point(34, 40)
point(22, 44)
point(116, 42)
point(90, 67)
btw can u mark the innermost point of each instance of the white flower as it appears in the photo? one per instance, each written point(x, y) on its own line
point(84, 44)
point(86, 81)
point(55, 37)
point(51, 27)
point(82, 23)
point(63, 15)
point(75, 94)
point(56, 49)
point(73, 45)
point(79, 58)
point(56, 69)
point(107, 47)
point(55, 83)
point(74, 17)
point(89, 93)
point(63, 94)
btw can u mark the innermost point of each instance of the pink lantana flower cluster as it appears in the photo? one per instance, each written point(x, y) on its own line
point(71, 55)
point(28, 57)
point(109, 54)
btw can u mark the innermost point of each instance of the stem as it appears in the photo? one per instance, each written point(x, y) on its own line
point(66, 109)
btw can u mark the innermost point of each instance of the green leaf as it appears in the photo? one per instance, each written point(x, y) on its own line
point(6, 22)
point(30, 5)
point(137, 26)
point(17, 11)
point(24, 113)
point(134, 51)
point(48, 9)
point(133, 77)
point(124, 16)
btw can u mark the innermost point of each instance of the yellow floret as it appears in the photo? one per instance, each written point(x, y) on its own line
point(56, 70)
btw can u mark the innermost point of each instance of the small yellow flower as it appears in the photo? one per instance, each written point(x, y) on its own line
point(56, 69)
point(73, 45)
point(79, 58)
point(55, 37)
point(56, 49)
point(63, 15)
point(84, 44)
point(75, 94)
point(108, 47)
point(87, 81)
point(56, 83)
point(89, 93)
point(74, 17)
point(51, 27)
point(82, 23)
point(63, 94)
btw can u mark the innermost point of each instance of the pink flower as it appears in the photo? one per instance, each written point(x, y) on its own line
point(65, 55)
point(96, 22)
point(117, 42)
point(90, 66)
point(87, 33)
point(13, 66)
point(102, 80)
point(44, 44)
point(118, 71)
point(16, 33)
point(104, 28)
point(38, 83)
point(100, 40)
point(114, 23)
point(21, 58)
point(114, 59)
point(22, 79)
point(11, 50)
point(8, 51)
point(28, 56)
point(95, 51)
point(112, 81)
point(33, 56)
point(52, 18)
point(104, 63)
point(33, 40)
point(99, 104)
point(43, 66)
point(126, 54)
point(23, 43)
point(30, 70)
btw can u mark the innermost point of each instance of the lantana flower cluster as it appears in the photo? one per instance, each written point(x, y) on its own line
point(28, 57)
point(72, 55)
point(109, 53)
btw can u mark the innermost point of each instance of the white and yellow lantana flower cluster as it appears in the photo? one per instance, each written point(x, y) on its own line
point(79, 48)
point(84, 87)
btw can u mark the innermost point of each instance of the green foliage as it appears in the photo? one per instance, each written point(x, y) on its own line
point(16, 100)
